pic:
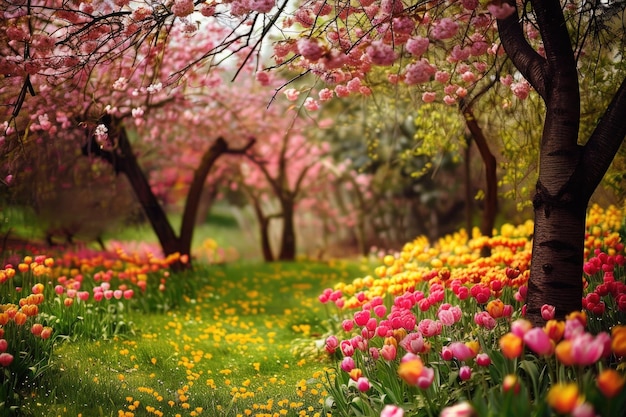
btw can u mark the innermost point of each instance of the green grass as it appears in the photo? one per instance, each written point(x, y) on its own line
point(247, 344)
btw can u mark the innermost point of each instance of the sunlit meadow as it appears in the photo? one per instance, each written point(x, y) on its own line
point(432, 330)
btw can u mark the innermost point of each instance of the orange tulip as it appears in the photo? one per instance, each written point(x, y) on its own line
point(511, 345)
point(618, 340)
point(564, 353)
point(555, 330)
point(563, 398)
point(20, 318)
point(610, 382)
point(410, 370)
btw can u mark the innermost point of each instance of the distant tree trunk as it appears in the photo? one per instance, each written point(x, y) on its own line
point(568, 173)
point(264, 230)
point(124, 160)
point(288, 240)
point(491, 178)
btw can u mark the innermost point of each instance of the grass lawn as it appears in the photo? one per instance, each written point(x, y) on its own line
point(245, 345)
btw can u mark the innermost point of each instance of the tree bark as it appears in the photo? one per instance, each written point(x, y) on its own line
point(288, 240)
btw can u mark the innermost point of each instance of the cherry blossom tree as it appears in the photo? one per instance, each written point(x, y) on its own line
point(341, 42)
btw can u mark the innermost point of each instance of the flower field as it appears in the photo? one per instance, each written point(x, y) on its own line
point(432, 330)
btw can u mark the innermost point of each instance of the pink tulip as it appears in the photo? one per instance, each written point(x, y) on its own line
point(363, 384)
point(4, 345)
point(586, 350)
point(59, 289)
point(547, 312)
point(538, 341)
point(388, 352)
point(83, 295)
point(426, 379)
point(392, 411)
point(465, 373)
point(347, 364)
point(108, 294)
point(361, 317)
point(520, 327)
point(118, 294)
point(128, 294)
point(5, 359)
point(461, 351)
point(482, 359)
point(97, 296)
point(347, 325)
point(332, 343)
point(413, 342)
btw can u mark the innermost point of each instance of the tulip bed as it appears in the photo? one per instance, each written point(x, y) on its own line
point(434, 329)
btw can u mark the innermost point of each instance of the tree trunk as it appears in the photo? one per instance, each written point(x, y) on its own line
point(288, 240)
point(126, 162)
point(568, 173)
point(491, 179)
point(264, 232)
point(195, 192)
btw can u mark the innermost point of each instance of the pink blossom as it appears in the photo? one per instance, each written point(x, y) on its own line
point(310, 49)
point(501, 11)
point(469, 4)
point(263, 78)
point(445, 28)
point(182, 8)
point(449, 100)
point(342, 91)
point(261, 6)
point(354, 85)
point(417, 46)
point(429, 97)
point(5, 359)
point(325, 94)
point(459, 54)
point(392, 411)
point(311, 104)
point(461, 92)
point(468, 77)
point(389, 7)
point(538, 341)
point(419, 72)
point(521, 89)
point(292, 94)
point(380, 53)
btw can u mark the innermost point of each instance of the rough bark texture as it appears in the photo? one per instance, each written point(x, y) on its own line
point(568, 173)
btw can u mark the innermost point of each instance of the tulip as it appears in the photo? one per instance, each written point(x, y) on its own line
point(46, 332)
point(410, 370)
point(363, 384)
point(511, 384)
point(426, 379)
point(5, 359)
point(388, 352)
point(482, 359)
point(4, 345)
point(511, 345)
point(36, 329)
point(465, 373)
point(564, 353)
point(538, 341)
point(563, 397)
point(618, 340)
point(555, 330)
point(463, 409)
point(547, 312)
point(610, 383)
point(392, 411)
point(347, 364)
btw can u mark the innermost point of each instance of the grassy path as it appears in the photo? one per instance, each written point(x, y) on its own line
point(244, 346)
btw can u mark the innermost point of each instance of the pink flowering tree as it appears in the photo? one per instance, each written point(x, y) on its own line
point(342, 43)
